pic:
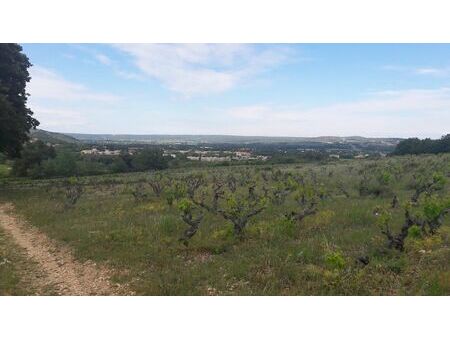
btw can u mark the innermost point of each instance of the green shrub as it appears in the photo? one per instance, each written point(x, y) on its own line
point(414, 232)
point(335, 260)
point(185, 206)
point(396, 265)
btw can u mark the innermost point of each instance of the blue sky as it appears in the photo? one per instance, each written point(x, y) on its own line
point(262, 89)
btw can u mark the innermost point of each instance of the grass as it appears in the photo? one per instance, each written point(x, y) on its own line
point(274, 257)
point(4, 170)
point(13, 264)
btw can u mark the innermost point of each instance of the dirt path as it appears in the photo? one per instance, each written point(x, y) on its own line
point(58, 270)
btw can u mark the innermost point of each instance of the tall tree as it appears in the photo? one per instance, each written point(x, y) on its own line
point(15, 117)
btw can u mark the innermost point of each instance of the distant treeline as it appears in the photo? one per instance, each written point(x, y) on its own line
point(426, 146)
point(39, 160)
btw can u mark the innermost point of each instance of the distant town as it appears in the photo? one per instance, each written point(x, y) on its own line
point(217, 149)
point(205, 155)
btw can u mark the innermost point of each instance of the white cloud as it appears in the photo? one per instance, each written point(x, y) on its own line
point(63, 105)
point(395, 113)
point(394, 102)
point(433, 71)
point(250, 112)
point(46, 84)
point(59, 119)
point(108, 61)
point(127, 75)
point(430, 71)
point(192, 69)
point(103, 59)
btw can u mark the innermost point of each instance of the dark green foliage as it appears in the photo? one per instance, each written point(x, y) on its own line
point(119, 165)
point(42, 161)
point(149, 159)
point(64, 164)
point(15, 118)
point(415, 231)
point(426, 146)
point(31, 158)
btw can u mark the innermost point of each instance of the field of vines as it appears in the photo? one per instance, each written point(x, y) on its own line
point(350, 227)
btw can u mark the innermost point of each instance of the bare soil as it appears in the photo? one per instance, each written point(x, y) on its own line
point(57, 269)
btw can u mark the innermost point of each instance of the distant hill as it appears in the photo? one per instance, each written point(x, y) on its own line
point(52, 137)
point(198, 139)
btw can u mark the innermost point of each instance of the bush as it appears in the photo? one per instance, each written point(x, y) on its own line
point(149, 159)
point(63, 165)
point(31, 158)
point(396, 265)
point(41, 161)
point(335, 260)
point(414, 232)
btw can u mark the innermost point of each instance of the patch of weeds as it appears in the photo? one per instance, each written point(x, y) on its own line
point(213, 249)
point(225, 233)
point(286, 227)
point(335, 260)
point(438, 285)
point(305, 256)
point(415, 232)
point(168, 226)
point(396, 265)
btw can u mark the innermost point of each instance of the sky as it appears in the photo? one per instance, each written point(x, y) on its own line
point(372, 90)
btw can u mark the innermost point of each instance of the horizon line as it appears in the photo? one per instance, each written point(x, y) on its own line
point(227, 135)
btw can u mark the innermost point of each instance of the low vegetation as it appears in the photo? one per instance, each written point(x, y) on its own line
point(13, 266)
point(351, 227)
